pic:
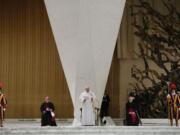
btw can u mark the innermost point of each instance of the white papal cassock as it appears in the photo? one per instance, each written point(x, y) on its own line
point(88, 115)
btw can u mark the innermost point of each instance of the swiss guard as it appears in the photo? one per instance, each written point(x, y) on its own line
point(3, 103)
point(173, 103)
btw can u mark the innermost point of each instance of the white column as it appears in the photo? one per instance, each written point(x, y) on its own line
point(85, 32)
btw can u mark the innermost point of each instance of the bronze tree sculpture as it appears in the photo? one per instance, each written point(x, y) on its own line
point(159, 35)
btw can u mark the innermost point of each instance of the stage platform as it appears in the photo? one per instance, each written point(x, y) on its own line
point(32, 127)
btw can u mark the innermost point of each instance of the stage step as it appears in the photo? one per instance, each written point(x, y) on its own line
point(32, 127)
point(106, 130)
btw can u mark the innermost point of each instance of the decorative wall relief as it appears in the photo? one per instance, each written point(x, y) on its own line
point(159, 33)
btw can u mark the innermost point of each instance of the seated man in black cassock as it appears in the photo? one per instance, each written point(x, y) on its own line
point(132, 118)
point(48, 115)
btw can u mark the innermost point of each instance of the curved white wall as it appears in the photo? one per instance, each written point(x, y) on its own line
point(85, 32)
